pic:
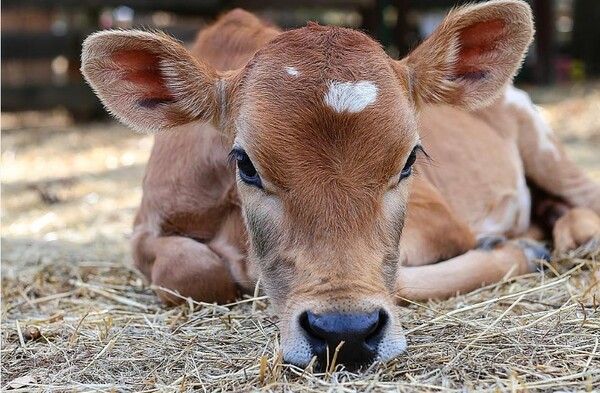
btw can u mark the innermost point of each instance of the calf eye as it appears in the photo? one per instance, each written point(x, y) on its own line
point(246, 169)
point(407, 170)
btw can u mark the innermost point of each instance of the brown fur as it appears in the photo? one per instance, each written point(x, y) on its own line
point(330, 229)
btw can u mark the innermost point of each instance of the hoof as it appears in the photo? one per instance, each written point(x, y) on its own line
point(534, 252)
point(488, 243)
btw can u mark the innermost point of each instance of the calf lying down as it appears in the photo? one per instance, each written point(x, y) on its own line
point(298, 158)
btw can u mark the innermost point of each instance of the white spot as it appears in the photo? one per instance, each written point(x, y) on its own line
point(292, 71)
point(521, 100)
point(352, 97)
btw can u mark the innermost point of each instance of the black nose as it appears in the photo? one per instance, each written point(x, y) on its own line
point(361, 334)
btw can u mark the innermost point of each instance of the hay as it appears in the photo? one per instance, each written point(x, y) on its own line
point(66, 271)
point(102, 329)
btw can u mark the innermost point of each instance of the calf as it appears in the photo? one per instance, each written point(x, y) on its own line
point(328, 136)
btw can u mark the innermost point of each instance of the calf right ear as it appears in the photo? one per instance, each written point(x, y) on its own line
point(151, 82)
point(471, 56)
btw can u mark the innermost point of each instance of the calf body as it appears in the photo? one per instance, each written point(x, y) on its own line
point(326, 132)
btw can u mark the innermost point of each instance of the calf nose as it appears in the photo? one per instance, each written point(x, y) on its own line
point(361, 333)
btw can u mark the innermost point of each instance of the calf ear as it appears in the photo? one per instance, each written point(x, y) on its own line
point(471, 56)
point(149, 81)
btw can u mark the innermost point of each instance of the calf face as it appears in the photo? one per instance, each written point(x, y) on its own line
point(323, 128)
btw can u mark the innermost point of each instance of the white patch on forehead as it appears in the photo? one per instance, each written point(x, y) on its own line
point(520, 99)
point(292, 71)
point(350, 97)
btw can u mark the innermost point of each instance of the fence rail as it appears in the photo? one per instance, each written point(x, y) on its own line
point(41, 39)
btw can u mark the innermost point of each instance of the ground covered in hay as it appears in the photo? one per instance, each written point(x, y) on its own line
point(77, 317)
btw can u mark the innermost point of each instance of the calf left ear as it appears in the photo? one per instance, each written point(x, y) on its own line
point(471, 56)
point(151, 82)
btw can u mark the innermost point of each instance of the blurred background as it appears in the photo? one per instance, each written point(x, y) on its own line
point(72, 176)
point(41, 39)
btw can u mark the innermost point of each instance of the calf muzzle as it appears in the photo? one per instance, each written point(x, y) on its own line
point(360, 332)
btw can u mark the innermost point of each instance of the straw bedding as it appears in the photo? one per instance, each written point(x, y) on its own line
point(77, 317)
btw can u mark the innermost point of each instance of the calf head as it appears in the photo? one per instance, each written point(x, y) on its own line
point(323, 127)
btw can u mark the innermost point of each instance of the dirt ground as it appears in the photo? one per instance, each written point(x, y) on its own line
point(76, 316)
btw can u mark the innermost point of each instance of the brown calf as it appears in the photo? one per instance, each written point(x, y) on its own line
point(325, 129)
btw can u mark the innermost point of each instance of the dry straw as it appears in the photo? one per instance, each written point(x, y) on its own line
point(100, 330)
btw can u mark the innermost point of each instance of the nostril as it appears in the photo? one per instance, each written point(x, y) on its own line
point(305, 324)
point(361, 332)
point(377, 331)
point(317, 342)
point(360, 325)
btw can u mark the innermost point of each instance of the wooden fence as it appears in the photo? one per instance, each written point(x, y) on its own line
point(41, 39)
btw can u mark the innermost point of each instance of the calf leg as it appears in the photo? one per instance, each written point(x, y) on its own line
point(548, 168)
point(545, 160)
point(432, 233)
point(466, 272)
point(183, 265)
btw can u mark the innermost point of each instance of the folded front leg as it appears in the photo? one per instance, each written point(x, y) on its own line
point(186, 266)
